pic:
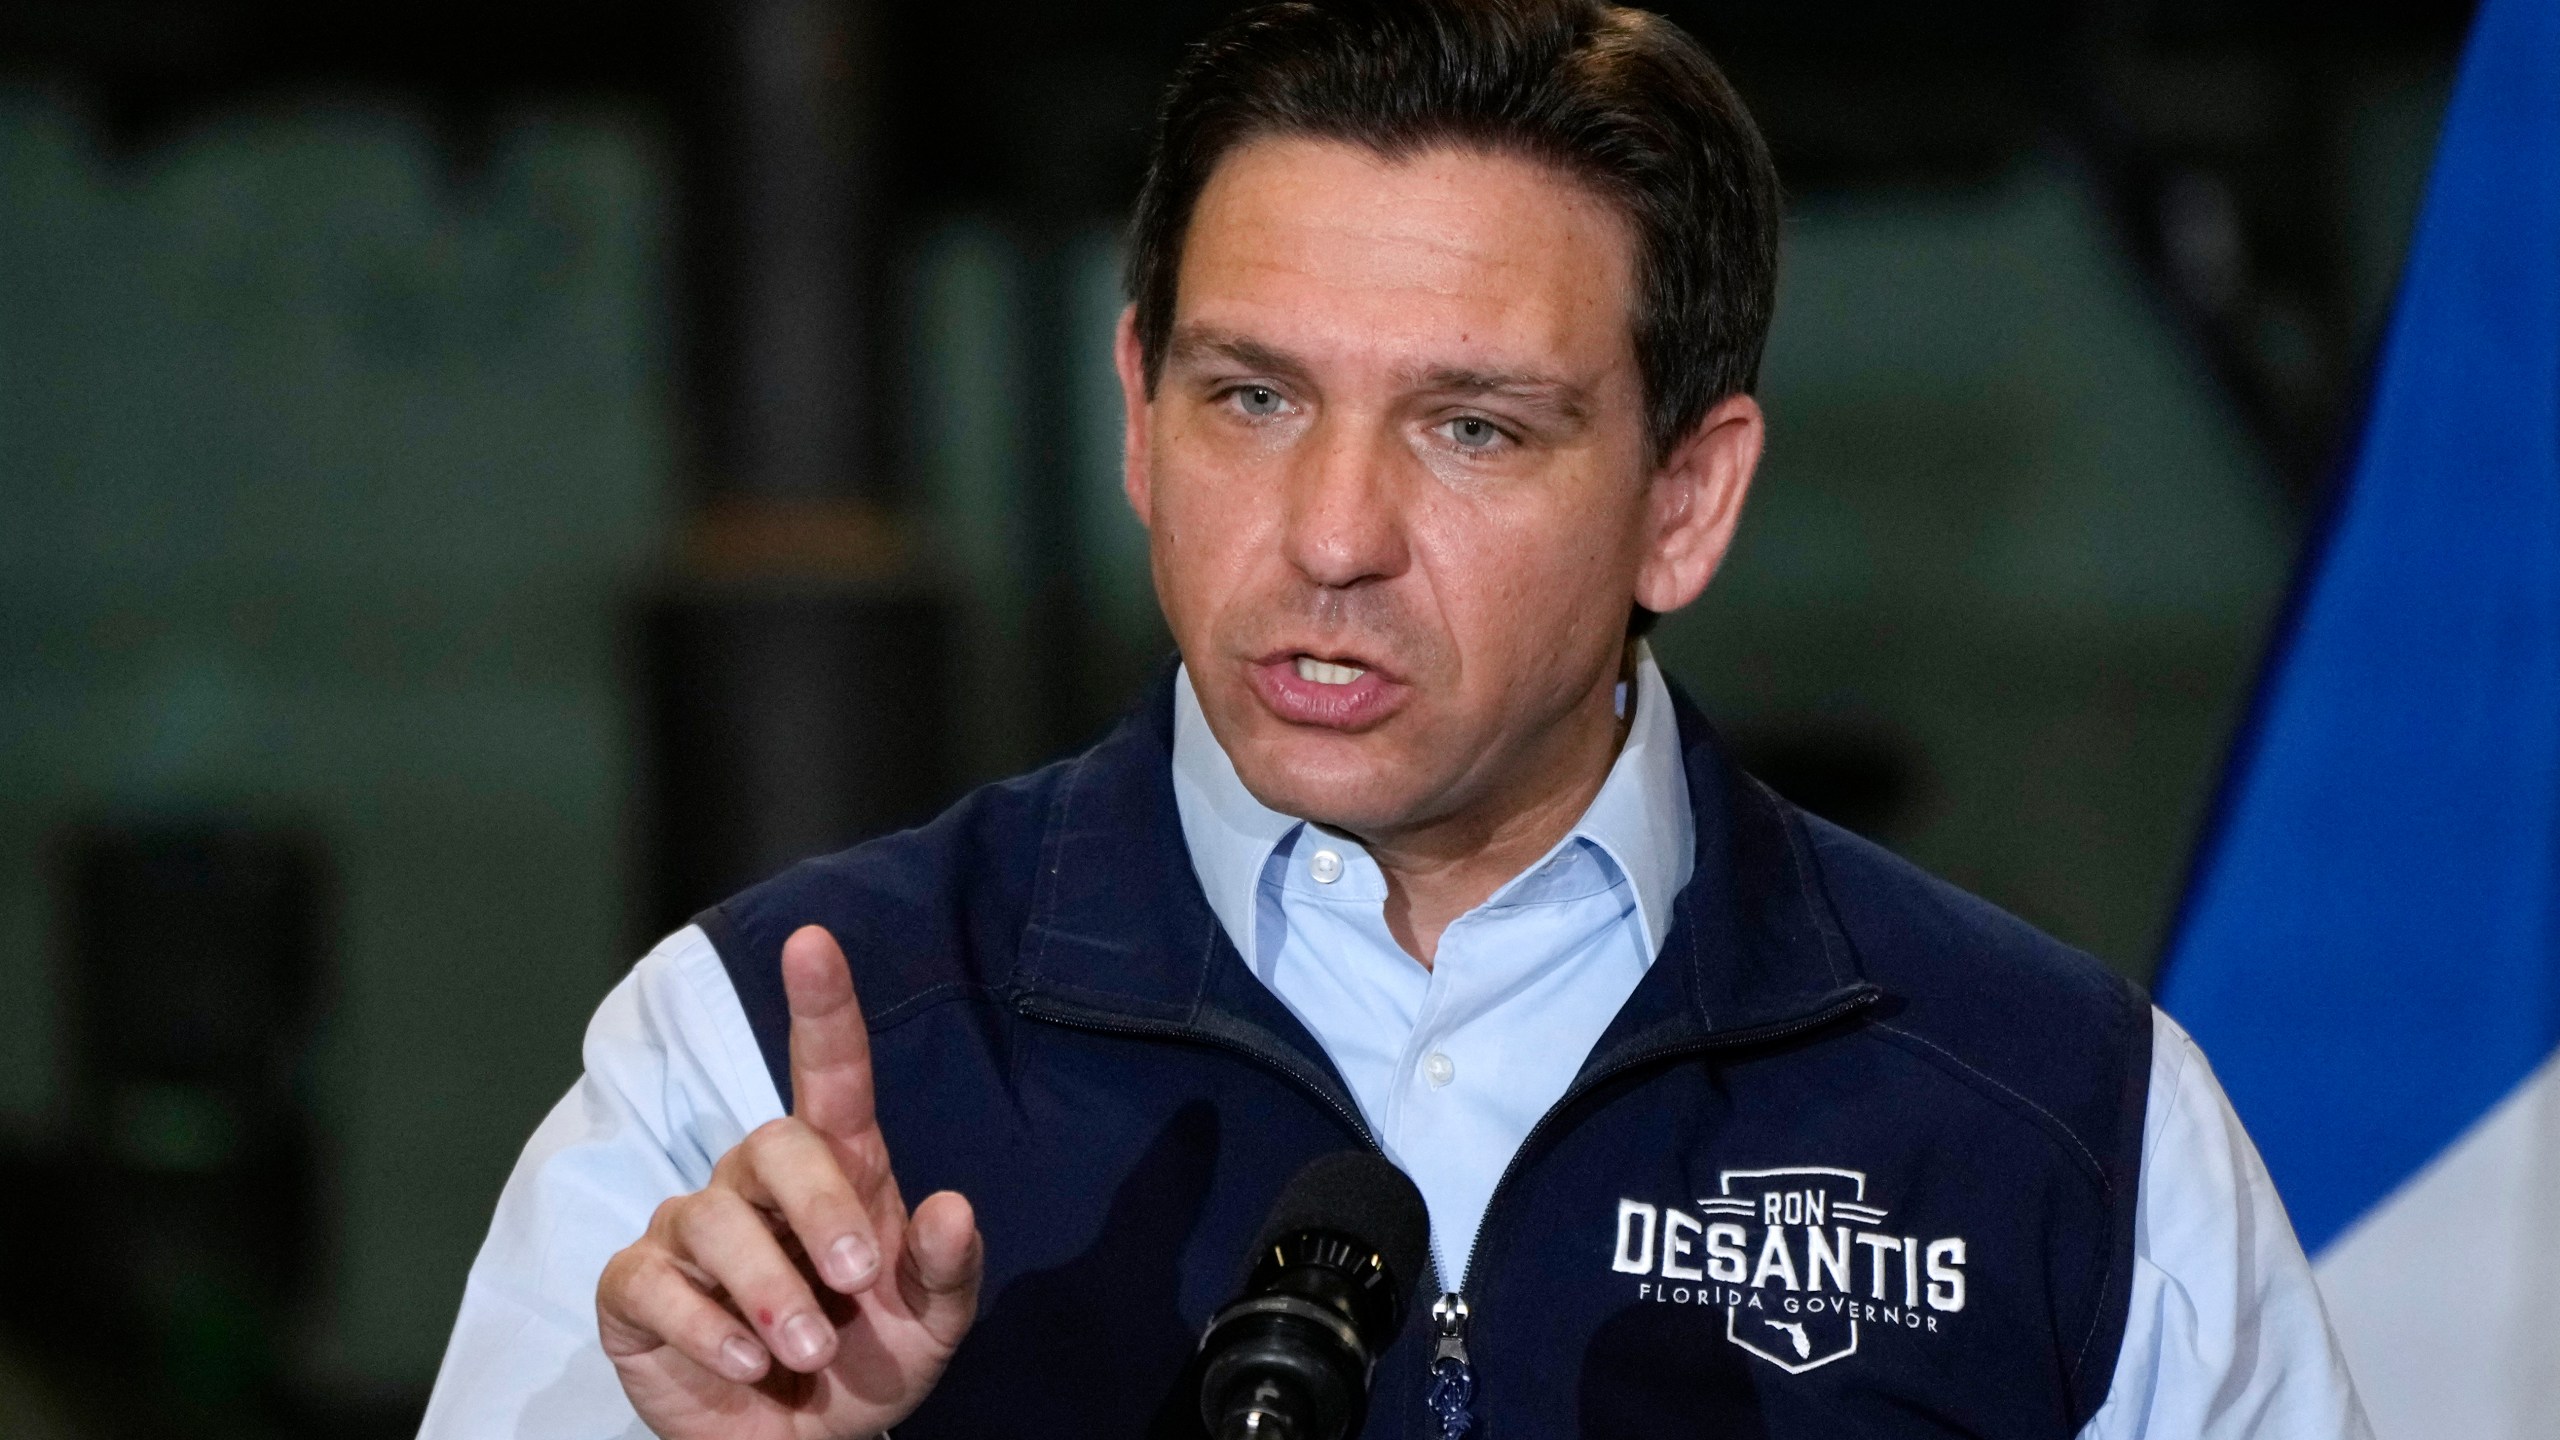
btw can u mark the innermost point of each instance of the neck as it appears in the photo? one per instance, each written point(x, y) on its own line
point(1439, 871)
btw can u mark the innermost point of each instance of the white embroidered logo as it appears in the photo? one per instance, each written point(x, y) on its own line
point(1740, 1252)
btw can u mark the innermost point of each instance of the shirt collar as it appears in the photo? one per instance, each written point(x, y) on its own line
point(1640, 819)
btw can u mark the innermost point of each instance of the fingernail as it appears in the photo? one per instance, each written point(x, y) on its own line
point(803, 1337)
point(850, 1262)
point(743, 1357)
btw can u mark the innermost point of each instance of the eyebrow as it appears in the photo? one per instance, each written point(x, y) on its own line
point(1193, 348)
point(1563, 399)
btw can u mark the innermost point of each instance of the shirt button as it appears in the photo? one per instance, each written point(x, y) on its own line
point(1440, 1069)
point(1325, 866)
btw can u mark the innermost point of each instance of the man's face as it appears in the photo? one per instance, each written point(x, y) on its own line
point(1396, 478)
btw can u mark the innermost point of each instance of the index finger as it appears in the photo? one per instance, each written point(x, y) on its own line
point(830, 1044)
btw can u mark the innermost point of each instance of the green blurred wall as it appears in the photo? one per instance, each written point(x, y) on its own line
point(324, 472)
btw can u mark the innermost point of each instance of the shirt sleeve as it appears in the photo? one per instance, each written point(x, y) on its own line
point(2227, 1337)
point(673, 1080)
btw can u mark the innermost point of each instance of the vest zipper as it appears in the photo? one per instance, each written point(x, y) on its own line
point(1451, 1392)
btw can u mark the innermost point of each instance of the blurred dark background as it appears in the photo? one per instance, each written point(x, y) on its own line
point(478, 481)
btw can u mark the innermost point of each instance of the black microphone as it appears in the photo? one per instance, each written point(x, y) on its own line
point(1325, 1291)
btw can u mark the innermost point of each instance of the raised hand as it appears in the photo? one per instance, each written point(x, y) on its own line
point(759, 1308)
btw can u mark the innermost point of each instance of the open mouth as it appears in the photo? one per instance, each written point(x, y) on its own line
point(1326, 672)
point(1343, 693)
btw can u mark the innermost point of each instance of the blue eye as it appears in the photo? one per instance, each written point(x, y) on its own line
point(1259, 401)
point(1474, 432)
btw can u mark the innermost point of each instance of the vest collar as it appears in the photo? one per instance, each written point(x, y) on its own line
point(1120, 936)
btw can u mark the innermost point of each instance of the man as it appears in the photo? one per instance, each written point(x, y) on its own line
point(1445, 321)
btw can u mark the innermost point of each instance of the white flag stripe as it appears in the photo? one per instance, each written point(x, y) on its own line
point(2440, 1294)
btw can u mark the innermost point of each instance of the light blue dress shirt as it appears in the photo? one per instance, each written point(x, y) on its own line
point(2226, 1340)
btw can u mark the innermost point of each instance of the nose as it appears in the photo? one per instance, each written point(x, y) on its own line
point(1345, 519)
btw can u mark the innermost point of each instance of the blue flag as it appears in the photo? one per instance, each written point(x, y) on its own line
point(2371, 950)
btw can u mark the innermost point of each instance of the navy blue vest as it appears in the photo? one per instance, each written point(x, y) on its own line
point(1858, 1156)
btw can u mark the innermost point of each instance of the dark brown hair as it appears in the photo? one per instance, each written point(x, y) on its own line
point(1621, 99)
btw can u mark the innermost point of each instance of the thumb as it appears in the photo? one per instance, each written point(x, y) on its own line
point(943, 1261)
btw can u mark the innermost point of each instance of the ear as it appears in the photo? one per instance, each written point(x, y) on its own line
point(1130, 361)
point(1696, 503)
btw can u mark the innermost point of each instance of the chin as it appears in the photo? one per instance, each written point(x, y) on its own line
point(1350, 792)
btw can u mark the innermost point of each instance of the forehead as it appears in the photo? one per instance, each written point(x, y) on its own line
point(1446, 256)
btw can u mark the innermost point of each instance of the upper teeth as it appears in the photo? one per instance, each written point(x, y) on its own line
point(1325, 672)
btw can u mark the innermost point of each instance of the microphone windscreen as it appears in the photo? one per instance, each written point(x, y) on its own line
point(1361, 1195)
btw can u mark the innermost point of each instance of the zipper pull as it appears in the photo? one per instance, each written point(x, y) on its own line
point(1453, 1376)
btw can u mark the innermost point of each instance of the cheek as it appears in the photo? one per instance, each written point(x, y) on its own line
point(1206, 524)
point(1533, 583)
